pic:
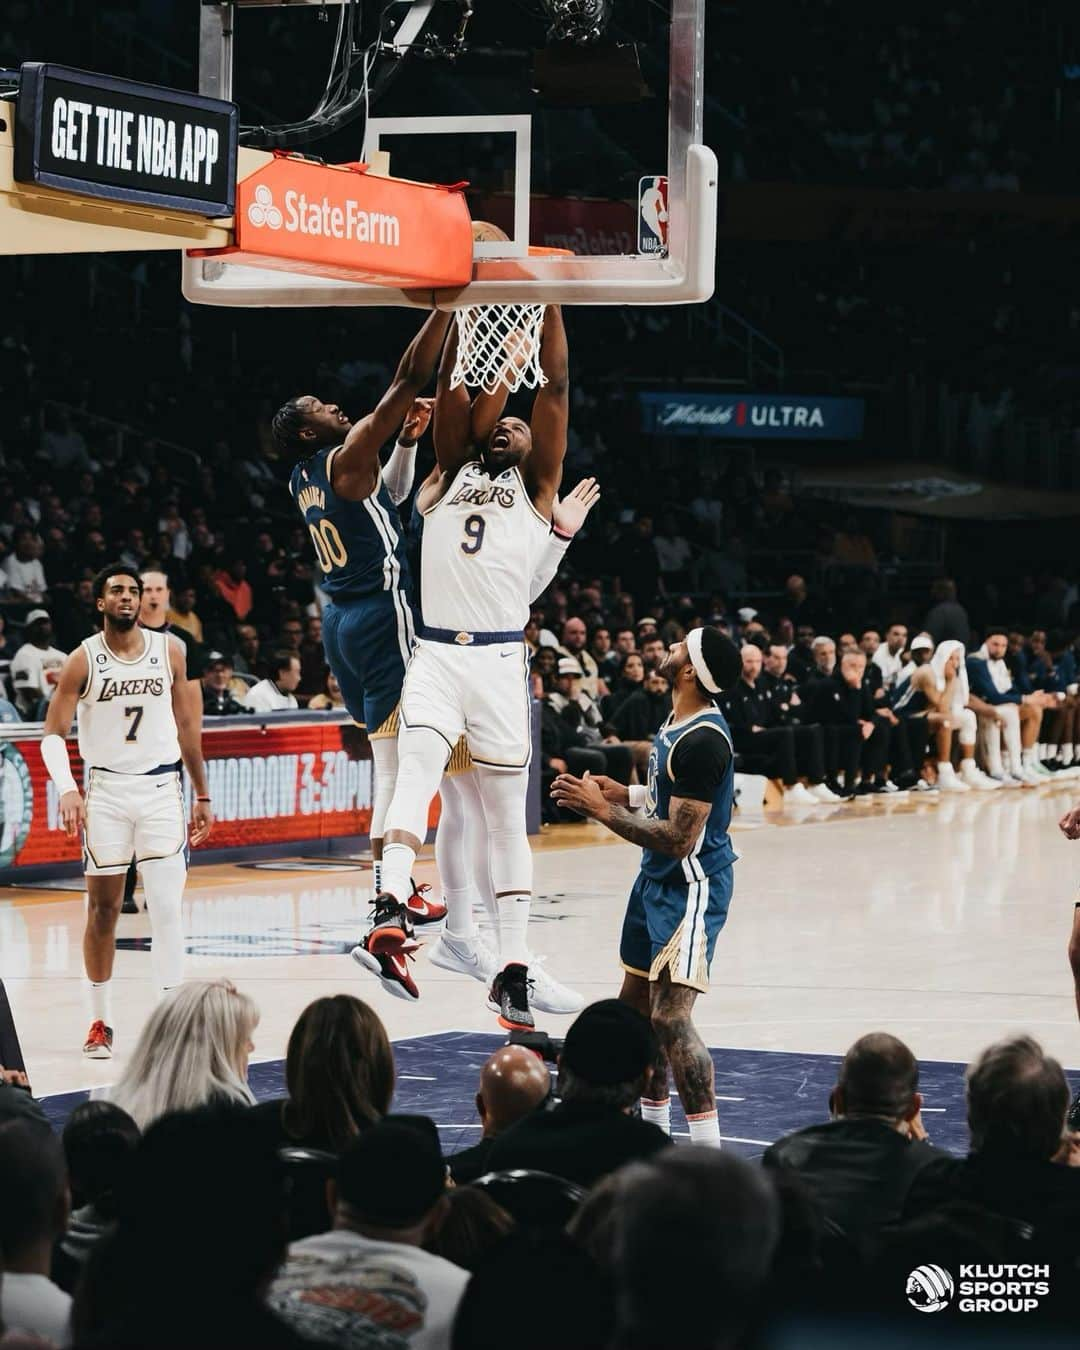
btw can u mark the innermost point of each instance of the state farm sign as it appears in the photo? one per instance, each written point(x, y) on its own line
point(340, 221)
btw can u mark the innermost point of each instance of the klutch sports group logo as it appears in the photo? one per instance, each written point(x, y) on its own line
point(262, 210)
point(929, 1288)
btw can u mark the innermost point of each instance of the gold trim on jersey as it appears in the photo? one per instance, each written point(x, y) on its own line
point(388, 728)
point(460, 760)
point(670, 957)
point(633, 970)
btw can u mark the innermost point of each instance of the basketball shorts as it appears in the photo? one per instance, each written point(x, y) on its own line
point(673, 925)
point(132, 815)
point(481, 693)
point(367, 643)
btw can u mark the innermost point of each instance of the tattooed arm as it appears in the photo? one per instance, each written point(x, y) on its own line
point(675, 836)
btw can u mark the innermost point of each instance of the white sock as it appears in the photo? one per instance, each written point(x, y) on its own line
point(101, 1001)
point(1065, 754)
point(657, 1113)
point(513, 929)
point(397, 867)
point(452, 839)
point(376, 876)
point(705, 1129)
point(944, 768)
point(967, 767)
point(163, 882)
point(1027, 757)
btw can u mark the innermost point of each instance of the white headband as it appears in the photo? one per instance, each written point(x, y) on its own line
point(701, 670)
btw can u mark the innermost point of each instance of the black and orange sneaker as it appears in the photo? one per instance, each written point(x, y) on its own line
point(509, 997)
point(391, 926)
point(390, 968)
point(423, 911)
point(98, 1041)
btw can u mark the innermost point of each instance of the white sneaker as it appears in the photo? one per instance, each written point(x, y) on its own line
point(468, 956)
point(948, 780)
point(547, 993)
point(821, 792)
point(1029, 776)
point(798, 795)
point(973, 776)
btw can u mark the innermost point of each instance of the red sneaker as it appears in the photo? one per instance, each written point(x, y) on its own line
point(391, 927)
point(422, 910)
point(98, 1041)
point(390, 968)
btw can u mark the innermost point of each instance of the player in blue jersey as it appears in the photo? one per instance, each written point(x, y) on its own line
point(349, 504)
point(679, 902)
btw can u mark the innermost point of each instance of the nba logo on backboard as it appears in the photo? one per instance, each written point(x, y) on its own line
point(652, 216)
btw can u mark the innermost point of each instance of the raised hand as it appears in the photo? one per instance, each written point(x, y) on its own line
point(569, 512)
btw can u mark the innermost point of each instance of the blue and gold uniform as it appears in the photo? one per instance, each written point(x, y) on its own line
point(368, 626)
point(678, 906)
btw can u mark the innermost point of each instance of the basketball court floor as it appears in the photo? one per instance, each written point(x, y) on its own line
point(943, 921)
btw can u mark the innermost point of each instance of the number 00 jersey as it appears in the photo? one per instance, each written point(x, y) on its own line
point(358, 545)
point(478, 553)
point(126, 721)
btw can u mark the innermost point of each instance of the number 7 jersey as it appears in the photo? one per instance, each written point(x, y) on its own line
point(358, 545)
point(126, 722)
point(479, 550)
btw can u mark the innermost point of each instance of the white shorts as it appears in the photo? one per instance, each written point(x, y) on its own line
point(138, 816)
point(481, 693)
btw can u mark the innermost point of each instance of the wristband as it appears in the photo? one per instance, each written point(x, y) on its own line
point(559, 534)
point(202, 799)
point(405, 445)
point(639, 796)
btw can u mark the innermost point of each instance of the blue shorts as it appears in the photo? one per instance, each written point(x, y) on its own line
point(673, 925)
point(368, 643)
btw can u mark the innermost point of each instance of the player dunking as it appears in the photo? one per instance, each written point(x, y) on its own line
point(136, 723)
point(679, 902)
point(349, 503)
point(486, 524)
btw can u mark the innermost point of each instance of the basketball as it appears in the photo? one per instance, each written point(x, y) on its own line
point(483, 232)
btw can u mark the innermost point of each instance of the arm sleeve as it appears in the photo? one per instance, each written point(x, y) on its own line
point(399, 470)
point(547, 565)
point(699, 763)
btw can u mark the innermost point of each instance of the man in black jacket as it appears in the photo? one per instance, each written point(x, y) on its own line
point(859, 1166)
point(855, 737)
point(768, 742)
point(606, 1058)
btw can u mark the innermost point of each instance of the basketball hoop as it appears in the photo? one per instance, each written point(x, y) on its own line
point(499, 345)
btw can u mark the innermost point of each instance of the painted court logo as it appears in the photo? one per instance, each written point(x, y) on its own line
point(980, 1289)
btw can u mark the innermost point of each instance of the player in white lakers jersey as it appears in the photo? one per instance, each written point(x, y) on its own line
point(487, 521)
point(135, 726)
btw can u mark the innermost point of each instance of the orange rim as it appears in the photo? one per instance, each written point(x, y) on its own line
point(537, 251)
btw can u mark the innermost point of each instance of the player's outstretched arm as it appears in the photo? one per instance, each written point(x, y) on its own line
point(357, 462)
point(189, 733)
point(400, 468)
point(567, 517)
point(542, 468)
point(453, 413)
point(58, 720)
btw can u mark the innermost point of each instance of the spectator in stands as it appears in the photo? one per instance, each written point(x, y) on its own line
point(947, 618)
point(218, 698)
point(769, 746)
point(473, 1227)
point(653, 650)
point(313, 665)
point(33, 1215)
point(206, 1197)
point(99, 1143)
point(606, 1057)
point(823, 650)
point(16, 1103)
point(869, 643)
point(246, 658)
point(232, 585)
point(292, 635)
point(801, 608)
point(23, 572)
point(193, 1051)
point(860, 1164)
point(723, 1217)
point(277, 692)
point(608, 661)
point(888, 656)
point(331, 699)
point(35, 667)
point(640, 717)
point(855, 739)
point(777, 677)
point(630, 681)
point(78, 619)
point(339, 1076)
point(574, 645)
point(1019, 1163)
point(64, 447)
point(389, 1197)
point(583, 740)
point(514, 1082)
point(182, 614)
point(801, 662)
point(1005, 714)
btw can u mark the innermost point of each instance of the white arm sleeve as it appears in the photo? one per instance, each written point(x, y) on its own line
point(639, 795)
point(548, 564)
point(55, 755)
point(399, 470)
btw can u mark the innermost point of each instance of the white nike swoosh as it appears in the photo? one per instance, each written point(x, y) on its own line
point(400, 965)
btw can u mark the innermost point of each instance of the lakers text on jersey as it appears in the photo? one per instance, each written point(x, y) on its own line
point(128, 741)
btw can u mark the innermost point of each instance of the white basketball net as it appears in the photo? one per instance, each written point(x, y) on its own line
point(499, 345)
